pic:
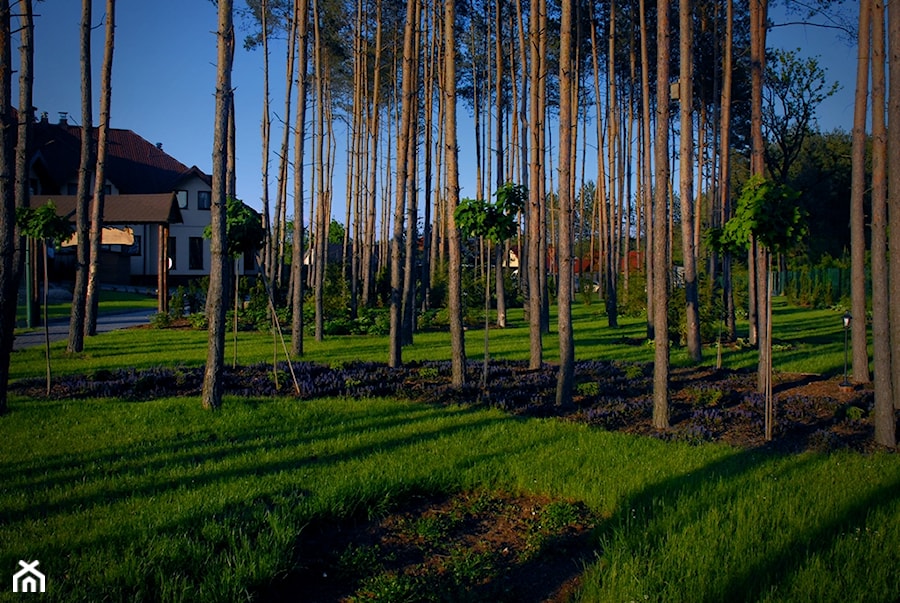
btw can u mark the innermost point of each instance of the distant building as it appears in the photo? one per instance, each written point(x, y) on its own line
point(147, 190)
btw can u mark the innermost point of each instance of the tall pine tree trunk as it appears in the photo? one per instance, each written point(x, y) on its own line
point(9, 274)
point(857, 193)
point(93, 285)
point(725, 169)
point(881, 146)
point(301, 16)
point(566, 376)
point(408, 94)
point(536, 261)
point(451, 153)
point(893, 168)
point(82, 257)
point(660, 225)
point(686, 175)
point(217, 294)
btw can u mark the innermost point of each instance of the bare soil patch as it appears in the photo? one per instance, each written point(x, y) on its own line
point(473, 546)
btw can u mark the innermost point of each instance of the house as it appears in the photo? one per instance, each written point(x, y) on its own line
point(147, 190)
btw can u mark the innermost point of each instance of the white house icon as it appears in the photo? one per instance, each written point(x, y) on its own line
point(29, 579)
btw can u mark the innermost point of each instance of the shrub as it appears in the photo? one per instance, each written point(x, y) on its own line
point(198, 321)
point(160, 320)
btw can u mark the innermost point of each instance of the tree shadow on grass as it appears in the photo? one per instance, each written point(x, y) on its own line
point(652, 527)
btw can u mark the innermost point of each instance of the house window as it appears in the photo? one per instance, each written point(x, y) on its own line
point(173, 264)
point(182, 197)
point(204, 199)
point(249, 261)
point(195, 253)
point(135, 248)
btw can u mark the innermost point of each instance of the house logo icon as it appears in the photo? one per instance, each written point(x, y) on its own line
point(29, 579)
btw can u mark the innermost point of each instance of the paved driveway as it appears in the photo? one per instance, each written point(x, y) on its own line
point(59, 329)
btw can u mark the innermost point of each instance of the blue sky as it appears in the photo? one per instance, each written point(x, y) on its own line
point(164, 78)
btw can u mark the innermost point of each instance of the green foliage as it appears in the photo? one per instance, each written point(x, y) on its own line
point(336, 232)
point(823, 285)
point(495, 222)
point(161, 320)
point(43, 223)
point(632, 302)
point(765, 210)
point(590, 388)
point(243, 228)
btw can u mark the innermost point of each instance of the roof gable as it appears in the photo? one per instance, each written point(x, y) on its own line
point(133, 164)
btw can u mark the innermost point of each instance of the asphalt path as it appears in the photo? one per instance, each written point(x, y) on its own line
point(59, 329)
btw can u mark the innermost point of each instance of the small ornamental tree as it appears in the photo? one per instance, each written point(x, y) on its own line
point(496, 223)
point(44, 225)
point(768, 213)
point(244, 234)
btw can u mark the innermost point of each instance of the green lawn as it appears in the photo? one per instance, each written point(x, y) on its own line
point(808, 341)
point(110, 302)
point(162, 501)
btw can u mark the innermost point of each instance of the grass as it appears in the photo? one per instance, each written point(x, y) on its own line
point(110, 302)
point(163, 501)
point(809, 341)
point(157, 500)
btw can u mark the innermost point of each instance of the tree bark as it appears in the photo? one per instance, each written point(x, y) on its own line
point(536, 261)
point(725, 168)
point(566, 376)
point(660, 225)
point(451, 153)
point(759, 299)
point(893, 169)
point(857, 193)
point(647, 170)
point(301, 17)
point(82, 257)
point(406, 131)
point(9, 275)
point(96, 235)
point(885, 424)
point(217, 295)
point(265, 134)
point(686, 177)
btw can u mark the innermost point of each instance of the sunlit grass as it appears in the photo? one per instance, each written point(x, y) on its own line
point(163, 501)
point(110, 302)
point(807, 341)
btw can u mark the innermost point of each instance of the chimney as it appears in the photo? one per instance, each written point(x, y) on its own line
point(44, 118)
point(159, 146)
point(63, 118)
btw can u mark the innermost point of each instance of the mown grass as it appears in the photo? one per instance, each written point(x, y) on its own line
point(162, 501)
point(808, 341)
point(110, 302)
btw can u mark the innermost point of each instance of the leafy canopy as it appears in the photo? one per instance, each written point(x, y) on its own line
point(43, 222)
point(243, 228)
point(767, 211)
point(493, 221)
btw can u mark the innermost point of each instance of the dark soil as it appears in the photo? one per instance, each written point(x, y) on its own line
point(705, 404)
point(490, 546)
point(469, 547)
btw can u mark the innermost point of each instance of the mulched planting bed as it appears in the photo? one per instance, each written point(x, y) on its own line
point(706, 405)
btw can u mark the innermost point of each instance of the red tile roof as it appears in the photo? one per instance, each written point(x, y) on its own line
point(134, 165)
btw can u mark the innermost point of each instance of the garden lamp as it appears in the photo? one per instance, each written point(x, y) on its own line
point(846, 318)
